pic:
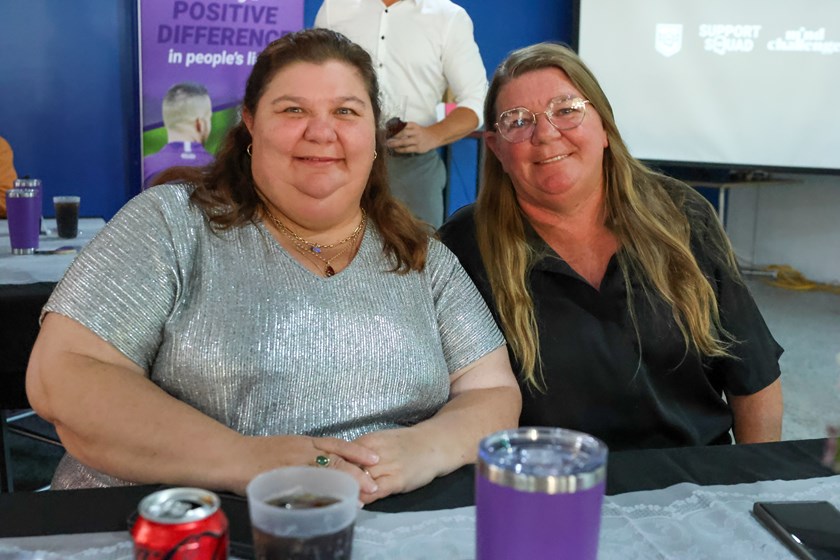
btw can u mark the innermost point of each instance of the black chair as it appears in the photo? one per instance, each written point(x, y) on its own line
point(9, 425)
point(20, 308)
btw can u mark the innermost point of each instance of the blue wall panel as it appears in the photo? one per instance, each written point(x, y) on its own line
point(500, 27)
point(68, 98)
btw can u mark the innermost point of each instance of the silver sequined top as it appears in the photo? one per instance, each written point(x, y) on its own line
point(233, 325)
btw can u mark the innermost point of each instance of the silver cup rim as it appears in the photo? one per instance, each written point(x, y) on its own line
point(512, 475)
point(22, 192)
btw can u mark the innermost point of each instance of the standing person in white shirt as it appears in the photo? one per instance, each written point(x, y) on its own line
point(419, 48)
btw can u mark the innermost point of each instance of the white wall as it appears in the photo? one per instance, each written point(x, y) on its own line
point(795, 223)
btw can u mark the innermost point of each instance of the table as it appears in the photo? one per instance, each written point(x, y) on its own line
point(28, 269)
point(723, 187)
point(26, 282)
point(629, 472)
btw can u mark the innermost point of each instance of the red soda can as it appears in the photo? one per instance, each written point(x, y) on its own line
point(180, 524)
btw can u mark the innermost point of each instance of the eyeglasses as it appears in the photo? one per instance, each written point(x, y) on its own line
point(564, 113)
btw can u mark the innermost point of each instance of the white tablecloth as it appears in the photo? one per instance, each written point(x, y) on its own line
point(685, 521)
point(26, 269)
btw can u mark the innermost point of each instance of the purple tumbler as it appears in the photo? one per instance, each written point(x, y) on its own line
point(538, 494)
point(24, 217)
point(29, 183)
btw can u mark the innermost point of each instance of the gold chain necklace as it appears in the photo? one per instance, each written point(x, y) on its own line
point(328, 269)
point(310, 249)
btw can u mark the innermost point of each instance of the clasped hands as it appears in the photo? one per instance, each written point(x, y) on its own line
point(383, 463)
point(392, 462)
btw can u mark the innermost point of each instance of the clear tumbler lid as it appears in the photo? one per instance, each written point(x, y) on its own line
point(27, 183)
point(547, 460)
point(22, 193)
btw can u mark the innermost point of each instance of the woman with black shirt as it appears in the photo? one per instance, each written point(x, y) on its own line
point(616, 286)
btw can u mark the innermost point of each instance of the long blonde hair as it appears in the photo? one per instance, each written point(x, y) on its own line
point(652, 229)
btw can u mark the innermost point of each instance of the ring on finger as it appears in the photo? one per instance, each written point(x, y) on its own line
point(322, 461)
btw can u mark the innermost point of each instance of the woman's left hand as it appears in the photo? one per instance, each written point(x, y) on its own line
point(483, 398)
point(407, 461)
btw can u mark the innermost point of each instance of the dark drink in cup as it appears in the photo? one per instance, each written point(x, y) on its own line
point(272, 547)
point(394, 126)
point(302, 501)
point(67, 216)
point(395, 108)
point(332, 545)
point(67, 219)
point(303, 513)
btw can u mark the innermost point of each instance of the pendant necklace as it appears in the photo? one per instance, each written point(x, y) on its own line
point(310, 249)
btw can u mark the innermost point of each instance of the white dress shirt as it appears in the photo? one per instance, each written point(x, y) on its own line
point(418, 47)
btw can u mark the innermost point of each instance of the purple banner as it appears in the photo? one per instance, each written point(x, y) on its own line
point(212, 42)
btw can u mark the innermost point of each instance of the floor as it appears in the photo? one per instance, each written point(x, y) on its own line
point(806, 324)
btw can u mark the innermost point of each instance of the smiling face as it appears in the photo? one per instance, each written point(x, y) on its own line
point(553, 169)
point(313, 135)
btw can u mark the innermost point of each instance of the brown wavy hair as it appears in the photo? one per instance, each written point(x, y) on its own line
point(652, 229)
point(225, 190)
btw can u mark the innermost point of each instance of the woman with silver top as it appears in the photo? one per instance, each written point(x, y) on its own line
point(279, 308)
point(615, 286)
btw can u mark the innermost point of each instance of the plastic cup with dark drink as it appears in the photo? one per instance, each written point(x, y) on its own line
point(303, 513)
point(394, 111)
point(67, 216)
point(394, 126)
point(24, 215)
point(538, 494)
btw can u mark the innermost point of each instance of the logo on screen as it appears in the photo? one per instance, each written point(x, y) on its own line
point(668, 38)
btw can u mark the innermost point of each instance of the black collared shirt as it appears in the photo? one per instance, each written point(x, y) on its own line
point(631, 391)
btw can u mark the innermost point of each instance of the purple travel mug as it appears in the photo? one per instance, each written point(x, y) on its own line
point(29, 183)
point(24, 217)
point(538, 494)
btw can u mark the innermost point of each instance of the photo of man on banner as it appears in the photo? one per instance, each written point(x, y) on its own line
point(187, 113)
point(194, 54)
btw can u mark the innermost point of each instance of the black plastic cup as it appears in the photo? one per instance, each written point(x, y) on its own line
point(67, 216)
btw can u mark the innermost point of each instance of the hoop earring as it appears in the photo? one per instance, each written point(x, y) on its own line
point(374, 155)
point(248, 150)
